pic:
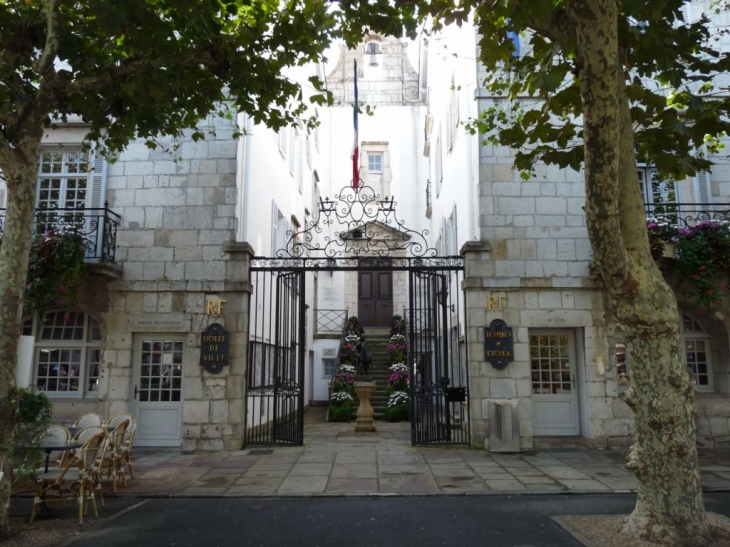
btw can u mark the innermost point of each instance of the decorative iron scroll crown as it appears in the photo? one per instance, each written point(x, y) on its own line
point(370, 227)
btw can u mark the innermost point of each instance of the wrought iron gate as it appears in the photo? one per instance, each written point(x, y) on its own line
point(275, 371)
point(358, 230)
point(437, 354)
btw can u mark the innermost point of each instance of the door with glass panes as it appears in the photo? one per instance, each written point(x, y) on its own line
point(554, 385)
point(157, 389)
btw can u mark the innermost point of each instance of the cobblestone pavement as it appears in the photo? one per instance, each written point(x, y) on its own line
point(335, 461)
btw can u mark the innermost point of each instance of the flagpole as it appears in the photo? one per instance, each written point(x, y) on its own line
point(356, 144)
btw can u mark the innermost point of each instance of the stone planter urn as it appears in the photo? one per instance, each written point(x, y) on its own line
point(364, 391)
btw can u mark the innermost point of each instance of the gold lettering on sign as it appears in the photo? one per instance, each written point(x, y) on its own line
point(214, 307)
point(498, 334)
point(496, 302)
point(210, 338)
point(498, 353)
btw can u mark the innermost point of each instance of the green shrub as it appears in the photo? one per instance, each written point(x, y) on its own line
point(341, 411)
point(397, 413)
point(32, 418)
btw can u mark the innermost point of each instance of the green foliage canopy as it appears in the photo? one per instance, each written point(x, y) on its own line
point(141, 68)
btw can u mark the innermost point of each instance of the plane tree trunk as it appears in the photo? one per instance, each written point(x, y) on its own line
point(20, 171)
point(669, 507)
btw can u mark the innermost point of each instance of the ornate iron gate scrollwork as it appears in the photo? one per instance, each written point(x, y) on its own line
point(355, 231)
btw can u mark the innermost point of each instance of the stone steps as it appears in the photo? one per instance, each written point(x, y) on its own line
point(379, 372)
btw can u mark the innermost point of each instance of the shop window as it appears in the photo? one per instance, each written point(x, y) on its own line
point(67, 358)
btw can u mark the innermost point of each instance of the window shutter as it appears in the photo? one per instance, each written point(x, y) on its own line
point(97, 181)
point(454, 232)
point(703, 194)
point(274, 227)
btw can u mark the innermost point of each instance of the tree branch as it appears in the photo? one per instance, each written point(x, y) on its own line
point(44, 65)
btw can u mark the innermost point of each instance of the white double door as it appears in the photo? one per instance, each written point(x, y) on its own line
point(554, 384)
point(157, 393)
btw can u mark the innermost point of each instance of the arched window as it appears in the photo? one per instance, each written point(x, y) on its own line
point(67, 355)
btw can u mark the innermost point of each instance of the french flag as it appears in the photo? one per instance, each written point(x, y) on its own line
point(356, 144)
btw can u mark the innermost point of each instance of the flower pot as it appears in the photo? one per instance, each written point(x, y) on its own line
point(669, 249)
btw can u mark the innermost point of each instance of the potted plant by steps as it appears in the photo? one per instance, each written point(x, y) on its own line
point(398, 389)
point(398, 407)
point(341, 406)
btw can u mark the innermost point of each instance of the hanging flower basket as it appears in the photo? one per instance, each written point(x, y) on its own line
point(56, 271)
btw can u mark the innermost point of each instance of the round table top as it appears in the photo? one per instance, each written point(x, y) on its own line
point(55, 444)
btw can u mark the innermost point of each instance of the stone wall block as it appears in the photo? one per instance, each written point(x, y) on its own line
point(235, 412)
point(192, 387)
point(212, 431)
point(502, 388)
point(196, 412)
point(191, 431)
point(219, 411)
point(719, 426)
point(214, 393)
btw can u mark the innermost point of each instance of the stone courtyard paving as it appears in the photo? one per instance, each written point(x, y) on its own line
point(336, 461)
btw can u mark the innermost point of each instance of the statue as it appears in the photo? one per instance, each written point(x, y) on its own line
point(364, 359)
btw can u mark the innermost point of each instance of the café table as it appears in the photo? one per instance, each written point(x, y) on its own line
point(48, 446)
point(52, 445)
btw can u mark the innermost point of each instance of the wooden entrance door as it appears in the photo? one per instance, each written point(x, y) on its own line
point(375, 298)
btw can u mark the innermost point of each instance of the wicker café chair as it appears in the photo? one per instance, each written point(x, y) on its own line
point(119, 417)
point(56, 433)
point(88, 420)
point(84, 435)
point(74, 479)
point(88, 432)
point(111, 465)
point(125, 448)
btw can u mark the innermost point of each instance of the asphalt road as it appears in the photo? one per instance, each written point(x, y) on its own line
point(495, 521)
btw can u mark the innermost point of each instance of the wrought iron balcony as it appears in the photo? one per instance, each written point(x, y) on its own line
point(686, 215)
point(330, 322)
point(96, 226)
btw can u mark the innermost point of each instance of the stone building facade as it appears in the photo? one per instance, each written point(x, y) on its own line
point(193, 214)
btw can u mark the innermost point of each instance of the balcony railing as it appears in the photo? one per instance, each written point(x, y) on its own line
point(686, 215)
point(96, 226)
point(330, 321)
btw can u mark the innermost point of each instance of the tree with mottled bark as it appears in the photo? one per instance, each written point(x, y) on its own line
point(134, 69)
point(599, 82)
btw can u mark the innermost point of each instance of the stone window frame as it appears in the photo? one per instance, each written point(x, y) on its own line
point(89, 347)
point(381, 180)
point(372, 167)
